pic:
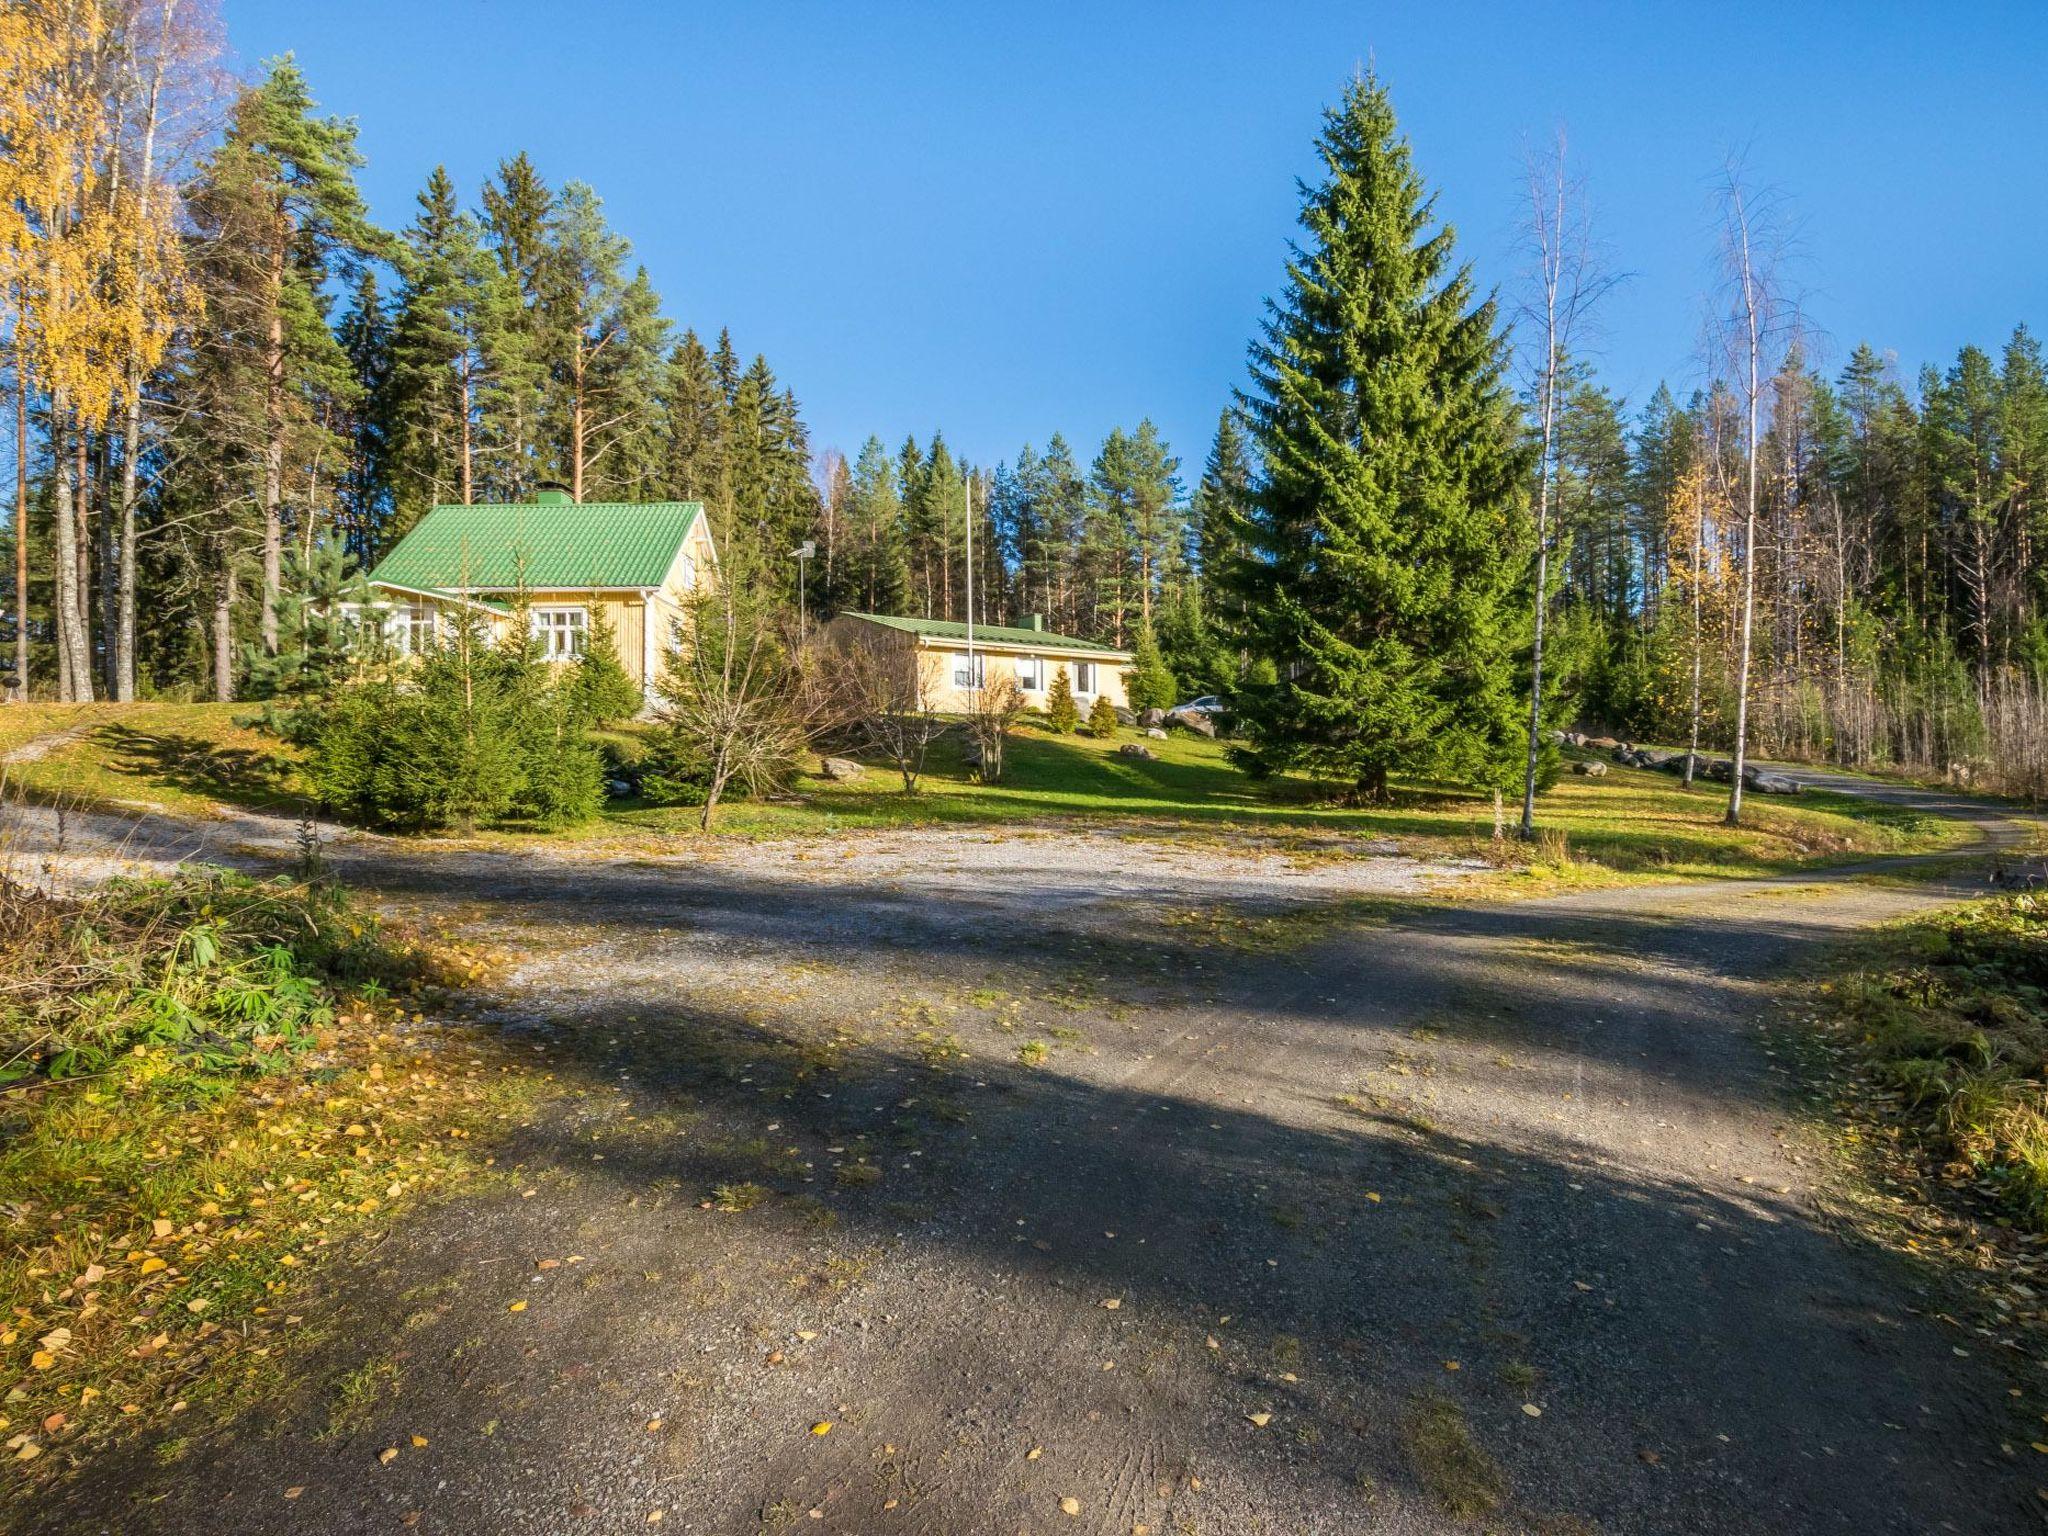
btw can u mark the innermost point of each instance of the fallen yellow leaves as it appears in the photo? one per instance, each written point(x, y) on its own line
point(517, 1306)
point(1532, 1410)
point(822, 1427)
point(1260, 1420)
point(387, 1456)
point(1070, 1506)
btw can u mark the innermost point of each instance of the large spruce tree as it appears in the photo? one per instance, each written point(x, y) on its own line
point(1387, 532)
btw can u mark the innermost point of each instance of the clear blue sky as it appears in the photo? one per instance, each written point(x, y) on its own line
point(1010, 220)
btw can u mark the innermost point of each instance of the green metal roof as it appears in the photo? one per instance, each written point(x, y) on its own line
point(992, 634)
point(502, 546)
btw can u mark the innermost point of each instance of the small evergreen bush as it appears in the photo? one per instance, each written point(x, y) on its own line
point(1102, 719)
point(1062, 713)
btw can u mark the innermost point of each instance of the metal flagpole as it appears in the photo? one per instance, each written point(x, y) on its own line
point(967, 492)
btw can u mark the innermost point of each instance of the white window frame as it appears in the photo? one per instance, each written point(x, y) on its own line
point(970, 671)
point(414, 628)
point(689, 572)
point(1084, 677)
point(1031, 673)
point(563, 631)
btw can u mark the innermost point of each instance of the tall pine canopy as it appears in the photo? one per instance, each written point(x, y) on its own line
point(1380, 551)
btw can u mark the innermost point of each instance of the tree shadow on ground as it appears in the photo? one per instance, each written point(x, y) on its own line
point(948, 1229)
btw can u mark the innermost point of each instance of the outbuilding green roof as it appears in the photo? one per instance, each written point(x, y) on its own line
point(503, 546)
point(990, 634)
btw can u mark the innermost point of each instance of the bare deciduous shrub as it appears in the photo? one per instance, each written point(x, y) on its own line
point(892, 701)
point(992, 711)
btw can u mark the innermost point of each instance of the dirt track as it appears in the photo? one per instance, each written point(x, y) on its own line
point(1540, 1142)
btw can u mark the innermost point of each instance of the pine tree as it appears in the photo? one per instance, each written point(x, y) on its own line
point(694, 411)
point(284, 217)
point(440, 357)
point(1148, 683)
point(874, 567)
point(518, 206)
point(1223, 495)
point(1387, 533)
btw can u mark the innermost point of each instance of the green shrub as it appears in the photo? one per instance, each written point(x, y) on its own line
point(476, 734)
point(597, 685)
point(1062, 712)
point(1102, 719)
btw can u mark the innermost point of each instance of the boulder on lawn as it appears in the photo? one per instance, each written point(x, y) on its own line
point(1157, 733)
point(1151, 717)
point(1124, 716)
point(1719, 769)
point(1135, 749)
point(1600, 743)
point(1194, 720)
point(1765, 782)
point(1575, 738)
point(1657, 757)
point(1590, 770)
point(839, 769)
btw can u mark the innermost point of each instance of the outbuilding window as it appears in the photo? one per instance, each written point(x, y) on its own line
point(1084, 677)
point(1030, 674)
point(969, 671)
point(561, 631)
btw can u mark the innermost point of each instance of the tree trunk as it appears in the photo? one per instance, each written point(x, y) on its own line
point(224, 634)
point(20, 523)
point(82, 502)
point(576, 426)
point(74, 675)
point(468, 443)
point(273, 450)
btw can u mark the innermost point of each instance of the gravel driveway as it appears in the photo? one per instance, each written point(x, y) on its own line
point(1049, 1212)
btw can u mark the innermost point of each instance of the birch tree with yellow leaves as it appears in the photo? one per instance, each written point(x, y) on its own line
point(93, 272)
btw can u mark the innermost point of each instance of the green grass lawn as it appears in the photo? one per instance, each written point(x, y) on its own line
point(190, 757)
point(1629, 822)
point(186, 758)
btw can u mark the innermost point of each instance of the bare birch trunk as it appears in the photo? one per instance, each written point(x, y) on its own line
point(20, 522)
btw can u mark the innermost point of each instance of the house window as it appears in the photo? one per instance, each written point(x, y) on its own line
point(689, 573)
point(1030, 674)
point(1084, 677)
point(969, 671)
point(561, 631)
point(413, 629)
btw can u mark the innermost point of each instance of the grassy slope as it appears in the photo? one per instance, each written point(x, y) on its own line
point(1948, 1013)
point(187, 757)
point(182, 757)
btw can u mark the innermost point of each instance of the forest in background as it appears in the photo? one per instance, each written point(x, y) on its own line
point(217, 365)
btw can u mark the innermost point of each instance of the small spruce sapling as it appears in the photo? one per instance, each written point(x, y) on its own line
point(1102, 719)
point(1062, 713)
